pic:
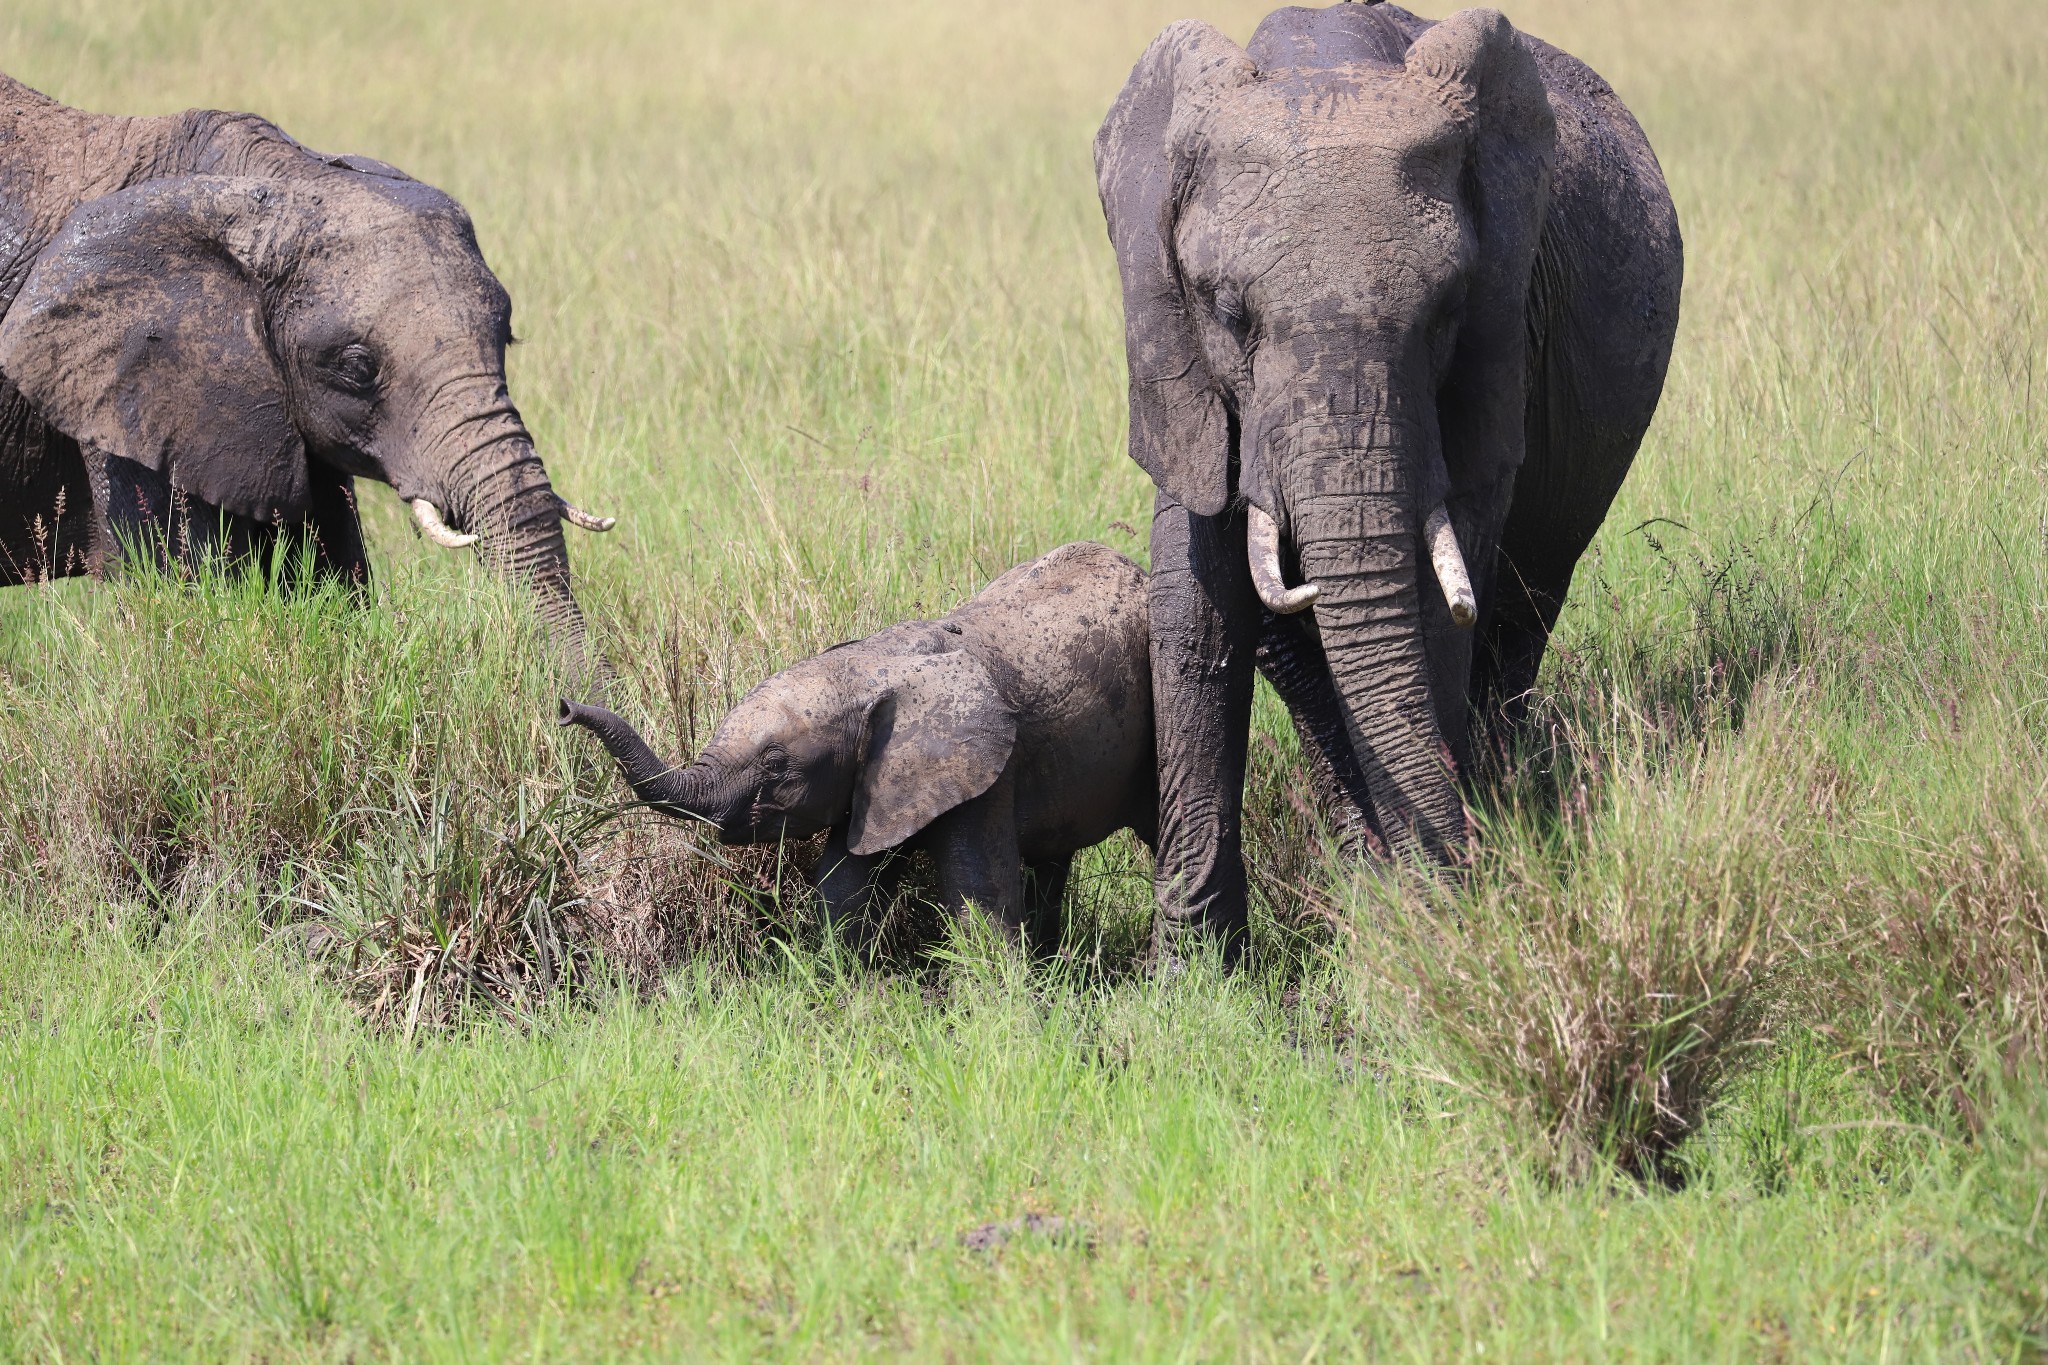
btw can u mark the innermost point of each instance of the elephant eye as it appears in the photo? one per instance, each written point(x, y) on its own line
point(775, 759)
point(1230, 309)
point(354, 368)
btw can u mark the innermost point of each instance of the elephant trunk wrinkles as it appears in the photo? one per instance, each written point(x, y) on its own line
point(684, 792)
point(1358, 528)
point(504, 497)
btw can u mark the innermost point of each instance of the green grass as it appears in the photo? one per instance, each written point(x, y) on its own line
point(341, 1021)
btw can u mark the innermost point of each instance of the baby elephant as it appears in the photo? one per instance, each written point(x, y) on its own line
point(1000, 739)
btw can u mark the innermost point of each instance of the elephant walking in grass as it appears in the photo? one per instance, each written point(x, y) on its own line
point(1399, 297)
point(1001, 739)
point(208, 332)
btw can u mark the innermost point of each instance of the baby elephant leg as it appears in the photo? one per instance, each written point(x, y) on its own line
point(852, 890)
point(1045, 890)
point(974, 851)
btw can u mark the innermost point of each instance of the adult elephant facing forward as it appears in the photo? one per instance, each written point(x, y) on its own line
point(1399, 297)
point(208, 332)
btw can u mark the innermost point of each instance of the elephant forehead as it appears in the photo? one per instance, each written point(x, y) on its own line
point(1359, 109)
point(778, 710)
point(350, 198)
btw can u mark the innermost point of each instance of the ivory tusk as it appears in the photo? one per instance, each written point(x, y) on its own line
point(576, 516)
point(437, 530)
point(1262, 549)
point(1450, 566)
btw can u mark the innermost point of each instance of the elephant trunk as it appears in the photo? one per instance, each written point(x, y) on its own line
point(1358, 528)
point(509, 505)
point(684, 792)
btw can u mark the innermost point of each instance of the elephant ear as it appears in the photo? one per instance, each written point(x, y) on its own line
point(141, 331)
point(1180, 429)
point(1488, 80)
point(937, 734)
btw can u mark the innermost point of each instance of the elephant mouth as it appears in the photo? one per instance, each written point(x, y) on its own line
point(1262, 551)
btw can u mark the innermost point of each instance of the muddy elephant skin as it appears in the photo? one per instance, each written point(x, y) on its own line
point(208, 332)
point(1399, 297)
point(1002, 739)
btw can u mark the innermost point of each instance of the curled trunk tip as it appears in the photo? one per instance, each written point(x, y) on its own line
point(1262, 550)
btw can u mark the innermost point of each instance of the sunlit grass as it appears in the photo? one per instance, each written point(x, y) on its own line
point(336, 1022)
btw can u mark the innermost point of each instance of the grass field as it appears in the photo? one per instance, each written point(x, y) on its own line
point(337, 1021)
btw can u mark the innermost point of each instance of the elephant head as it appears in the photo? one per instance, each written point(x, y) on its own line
point(1326, 244)
point(252, 339)
point(882, 741)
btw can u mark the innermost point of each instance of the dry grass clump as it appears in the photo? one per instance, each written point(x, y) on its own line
point(386, 781)
point(1955, 965)
point(1599, 971)
point(445, 916)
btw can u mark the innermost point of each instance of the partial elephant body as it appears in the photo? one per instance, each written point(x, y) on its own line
point(1001, 739)
point(208, 332)
point(1399, 296)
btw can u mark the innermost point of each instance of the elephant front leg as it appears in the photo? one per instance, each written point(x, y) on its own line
point(974, 851)
point(1204, 620)
point(850, 886)
point(338, 553)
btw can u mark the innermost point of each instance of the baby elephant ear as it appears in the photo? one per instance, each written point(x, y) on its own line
point(141, 331)
point(937, 735)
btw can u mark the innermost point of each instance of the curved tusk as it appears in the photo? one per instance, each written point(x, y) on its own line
point(1262, 549)
point(437, 530)
point(576, 516)
point(1450, 566)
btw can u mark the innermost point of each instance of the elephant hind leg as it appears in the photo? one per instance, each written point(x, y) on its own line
point(1529, 592)
point(1045, 892)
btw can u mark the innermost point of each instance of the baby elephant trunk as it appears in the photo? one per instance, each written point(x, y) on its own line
point(669, 788)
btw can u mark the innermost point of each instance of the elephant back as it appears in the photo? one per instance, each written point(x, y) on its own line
point(1065, 639)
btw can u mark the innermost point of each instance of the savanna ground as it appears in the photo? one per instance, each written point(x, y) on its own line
point(343, 1017)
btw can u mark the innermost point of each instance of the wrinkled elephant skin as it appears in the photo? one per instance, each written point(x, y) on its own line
point(1000, 739)
point(1398, 295)
point(208, 332)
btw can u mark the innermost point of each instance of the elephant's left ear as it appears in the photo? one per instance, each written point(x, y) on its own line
point(937, 734)
point(141, 331)
point(1488, 79)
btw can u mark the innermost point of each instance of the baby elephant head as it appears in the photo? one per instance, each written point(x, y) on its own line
point(884, 743)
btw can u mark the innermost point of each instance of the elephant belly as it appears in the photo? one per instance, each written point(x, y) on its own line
point(1068, 801)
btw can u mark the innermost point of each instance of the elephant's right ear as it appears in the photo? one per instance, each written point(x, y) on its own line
point(141, 331)
point(1180, 430)
point(937, 734)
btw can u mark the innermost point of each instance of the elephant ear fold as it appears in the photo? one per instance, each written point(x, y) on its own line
point(1180, 429)
point(937, 734)
point(141, 331)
